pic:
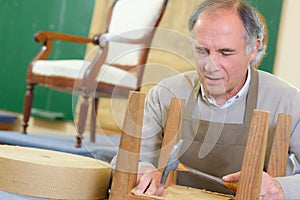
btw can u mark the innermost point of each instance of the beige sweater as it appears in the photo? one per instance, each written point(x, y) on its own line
point(274, 95)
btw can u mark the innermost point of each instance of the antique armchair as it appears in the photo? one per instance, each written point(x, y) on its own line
point(116, 69)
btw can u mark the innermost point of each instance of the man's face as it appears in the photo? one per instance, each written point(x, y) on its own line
point(220, 53)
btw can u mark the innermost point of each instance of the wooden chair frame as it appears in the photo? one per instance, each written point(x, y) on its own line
point(87, 88)
point(124, 179)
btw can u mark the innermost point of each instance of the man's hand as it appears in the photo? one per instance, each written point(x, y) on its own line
point(148, 181)
point(270, 187)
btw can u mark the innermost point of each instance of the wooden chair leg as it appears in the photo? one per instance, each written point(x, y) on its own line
point(252, 167)
point(279, 152)
point(83, 110)
point(27, 106)
point(93, 125)
point(171, 178)
point(124, 175)
point(172, 134)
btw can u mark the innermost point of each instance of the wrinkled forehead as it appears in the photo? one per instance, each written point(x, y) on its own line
point(221, 17)
point(222, 29)
point(217, 12)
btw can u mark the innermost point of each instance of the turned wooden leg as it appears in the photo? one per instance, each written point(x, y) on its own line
point(28, 99)
point(83, 110)
point(94, 112)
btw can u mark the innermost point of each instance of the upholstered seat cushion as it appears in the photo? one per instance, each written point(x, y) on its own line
point(76, 68)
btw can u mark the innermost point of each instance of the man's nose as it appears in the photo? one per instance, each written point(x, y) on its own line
point(212, 63)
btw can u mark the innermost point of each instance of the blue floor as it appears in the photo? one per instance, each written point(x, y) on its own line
point(105, 147)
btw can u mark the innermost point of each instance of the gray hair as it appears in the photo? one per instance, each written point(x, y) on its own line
point(254, 27)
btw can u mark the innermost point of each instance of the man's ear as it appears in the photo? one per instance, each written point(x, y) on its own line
point(255, 50)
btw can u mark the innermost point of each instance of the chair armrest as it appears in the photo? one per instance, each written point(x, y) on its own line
point(47, 37)
point(44, 36)
point(102, 39)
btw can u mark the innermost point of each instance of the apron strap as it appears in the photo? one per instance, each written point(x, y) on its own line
point(251, 96)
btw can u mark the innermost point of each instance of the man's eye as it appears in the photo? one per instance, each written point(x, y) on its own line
point(201, 51)
point(226, 53)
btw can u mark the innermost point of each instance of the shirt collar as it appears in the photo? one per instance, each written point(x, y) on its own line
point(243, 91)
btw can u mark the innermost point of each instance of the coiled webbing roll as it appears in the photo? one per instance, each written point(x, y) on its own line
point(51, 174)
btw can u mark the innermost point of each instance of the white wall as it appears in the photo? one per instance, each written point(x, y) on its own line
point(287, 65)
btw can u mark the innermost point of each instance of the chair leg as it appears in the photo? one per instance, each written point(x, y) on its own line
point(125, 173)
point(254, 157)
point(94, 112)
point(83, 110)
point(280, 146)
point(172, 134)
point(27, 106)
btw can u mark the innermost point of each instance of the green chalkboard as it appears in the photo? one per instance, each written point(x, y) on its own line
point(19, 21)
point(271, 10)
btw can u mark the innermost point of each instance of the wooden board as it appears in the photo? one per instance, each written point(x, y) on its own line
point(176, 192)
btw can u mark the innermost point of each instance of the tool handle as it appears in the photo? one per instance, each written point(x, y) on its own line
point(181, 167)
point(231, 185)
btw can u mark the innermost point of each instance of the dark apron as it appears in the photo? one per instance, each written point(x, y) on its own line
point(226, 144)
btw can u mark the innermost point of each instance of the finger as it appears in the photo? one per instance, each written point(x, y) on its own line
point(261, 197)
point(153, 187)
point(160, 190)
point(232, 177)
point(138, 178)
point(143, 184)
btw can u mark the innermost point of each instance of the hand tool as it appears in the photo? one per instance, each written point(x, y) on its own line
point(230, 185)
point(173, 164)
point(172, 161)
